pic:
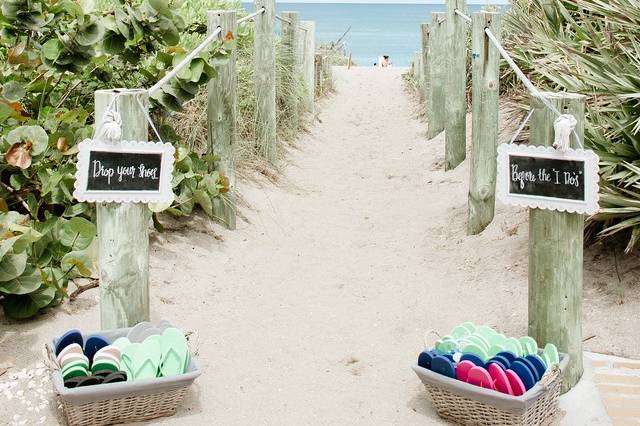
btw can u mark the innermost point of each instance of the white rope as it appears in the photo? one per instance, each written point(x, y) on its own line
point(281, 19)
point(463, 16)
point(251, 16)
point(521, 127)
point(146, 115)
point(110, 123)
point(527, 83)
point(195, 52)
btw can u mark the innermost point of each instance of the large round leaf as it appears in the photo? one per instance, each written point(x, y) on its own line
point(77, 233)
point(80, 260)
point(89, 35)
point(26, 306)
point(52, 49)
point(13, 91)
point(12, 266)
point(35, 134)
point(28, 282)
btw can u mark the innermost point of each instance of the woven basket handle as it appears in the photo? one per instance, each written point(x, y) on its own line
point(193, 340)
point(550, 376)
point(427, 339)
point(49, 358)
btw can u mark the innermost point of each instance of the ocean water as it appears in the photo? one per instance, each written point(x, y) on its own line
point(376, 29)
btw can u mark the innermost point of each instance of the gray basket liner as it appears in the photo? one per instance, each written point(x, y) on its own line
point(512, 404)
point(95, 393)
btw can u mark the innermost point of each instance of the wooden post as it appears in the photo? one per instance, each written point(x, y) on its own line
point(264, 63)
point(424, 52)
point(485, 62)
point(290, 43)
point(309, 51)
point(555, 252)
point(318, 73)
point(123, 228)
point(436, 74)
point(349, 62)
point(222, 117)
point(456, 85)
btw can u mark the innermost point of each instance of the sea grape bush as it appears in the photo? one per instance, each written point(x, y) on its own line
point(53, 55)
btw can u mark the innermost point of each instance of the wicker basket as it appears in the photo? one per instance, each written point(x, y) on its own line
point(472, 405)
point(120, 402)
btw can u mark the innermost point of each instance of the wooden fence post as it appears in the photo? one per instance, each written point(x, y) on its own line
point(222, 117)
point(555, 252)
point(290, 43)
point(456, 85)
point(424, 53)
point(485, 61)
point(318, 73)
point(308, 68)
point(123, 228)
point(264, 63)
point(436, 74)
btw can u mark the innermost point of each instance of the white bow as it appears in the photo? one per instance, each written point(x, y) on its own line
point(563, 127)
point(112, 126)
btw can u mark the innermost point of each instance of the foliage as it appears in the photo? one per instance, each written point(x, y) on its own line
point(591, 47)
point(53, 56)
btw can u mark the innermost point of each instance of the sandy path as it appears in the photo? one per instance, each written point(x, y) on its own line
point(313, 312)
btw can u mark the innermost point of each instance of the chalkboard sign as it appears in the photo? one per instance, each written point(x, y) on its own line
point(543, 177)
point(124, 172)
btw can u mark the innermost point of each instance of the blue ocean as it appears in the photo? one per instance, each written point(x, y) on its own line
point(376, 29)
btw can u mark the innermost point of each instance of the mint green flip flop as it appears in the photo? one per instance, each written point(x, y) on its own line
point(469, 326)
point(121, 343)
point(478, 340)
point(459, 332)
point(475, 349)
point(551, 352)
point(486, 332)
point(126, 359)
point(513, 345)
point(447, 345)
point(529, 345)
point(496, 349)
point(146, 361)
point(175, 352)
point(74, 371)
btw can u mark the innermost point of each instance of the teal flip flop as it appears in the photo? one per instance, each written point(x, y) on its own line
point(126, 359)
point(175, 352)
point(513, 345)
point(551, 352)
point(473, 348)
point(459, 332)
point(147, 359)
point(529, 345)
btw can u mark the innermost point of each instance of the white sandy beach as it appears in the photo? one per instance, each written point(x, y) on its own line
point(314, 309)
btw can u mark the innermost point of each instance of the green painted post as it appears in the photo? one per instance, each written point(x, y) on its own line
point(555, 252)
point(291, 76)
point(485, 62)
point(456, 85)
point(436, 74)
point(264, 63)
point(222, 117)
point(424, 61)
point(123, 228)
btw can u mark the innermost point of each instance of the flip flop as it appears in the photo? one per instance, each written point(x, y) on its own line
point(75, 358)
point(121, 343)
point(75, 371)
point(472, 348)
point(517, 387)
point(462, 370)
point(116, 377)
point(500, 380)
point(478, 376)
point(459, 332)
point(151, 331)
point(443, 346)
point(479, 362)
point(106, 357)
point(536, 375)
point(469, 326)
point(496, 349)
point(126, 360)
point(175, 352)
point(73, 348)
point(545, 359)
point(538, 363)
point(552, 352)
point(478, 340)
point(102, 373)
point(163, 325)
point(444, 366)
point(89, 381)
point(134, 333)
point(105, 364)
point(529, 345)
point(502, 361)
point(513, 345)
point(74, 363)
point(112, 350)
point(486, 332)
point(68, 338)
point(425, 358)
point(524, 373)
point(73, 382)
point(94, 344)
point(146, 362)
point(509, 356)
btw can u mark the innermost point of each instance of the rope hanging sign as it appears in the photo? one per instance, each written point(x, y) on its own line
point(112, 170)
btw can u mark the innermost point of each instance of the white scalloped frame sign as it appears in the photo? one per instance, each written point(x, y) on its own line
point(124, 172)
point(546, 178)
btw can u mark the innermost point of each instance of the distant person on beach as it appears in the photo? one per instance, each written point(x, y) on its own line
point(383, 62)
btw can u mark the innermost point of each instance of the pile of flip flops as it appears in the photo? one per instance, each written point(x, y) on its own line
point(481, 356)
point(147, 352)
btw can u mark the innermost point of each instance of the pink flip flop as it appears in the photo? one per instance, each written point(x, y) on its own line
point(478, 376)
point(462, 370)
point(500, 379)
point(517, 387)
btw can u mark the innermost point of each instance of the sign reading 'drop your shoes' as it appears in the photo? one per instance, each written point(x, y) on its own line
point(124, 171)
point(546, 178)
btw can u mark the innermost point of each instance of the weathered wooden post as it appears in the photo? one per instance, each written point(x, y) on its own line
point(290, 43)
point(436, 74)
point(456, 85)
point(123, 228)
point(309, 52)
point(555, 252)
point(264, 62)
point(424, 52)
point(318, 73)
point(485, 62)
point(221, 113)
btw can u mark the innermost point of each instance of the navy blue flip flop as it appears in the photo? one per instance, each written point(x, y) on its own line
point(473, 358)
point(501, 361)
point(521, 369)
point(71, 336)
point(536, 375)
point(442, 365)
point(425, 358)
point(537, 362)
point(93, 345)
point(510, 356)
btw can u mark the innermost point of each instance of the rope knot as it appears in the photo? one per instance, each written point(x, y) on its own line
point(563, 127)
point(112, 126)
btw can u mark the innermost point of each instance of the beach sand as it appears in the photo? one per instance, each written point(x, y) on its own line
point(313, 311)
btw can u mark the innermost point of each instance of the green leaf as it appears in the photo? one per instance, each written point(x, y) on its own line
point(26, 306)
point(204, 200)
point(89, 35)
point(12, 266)
point(6, 245)
point(35, 134)
point(13, 91)
point(52, 49)
point(25, 240)
point(77, 233)
point(80, 260)
point(28, 282)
